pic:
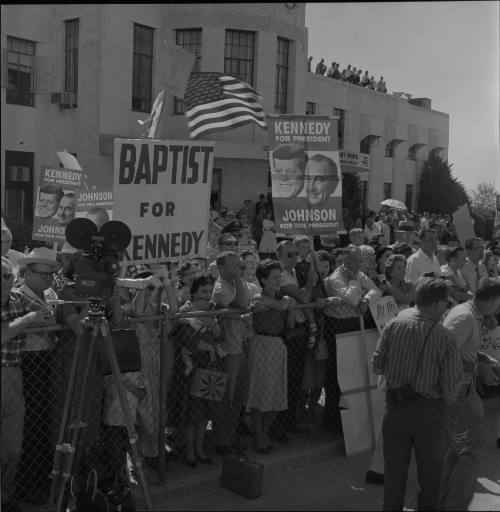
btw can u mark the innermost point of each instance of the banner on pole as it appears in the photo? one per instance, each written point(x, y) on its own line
point(306, 174)
point(55, 202)
point(161, 190)
point(96, 205)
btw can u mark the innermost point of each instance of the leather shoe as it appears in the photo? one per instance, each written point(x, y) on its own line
point(372, 477)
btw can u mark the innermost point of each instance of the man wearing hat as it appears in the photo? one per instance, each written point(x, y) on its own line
point(18, 313)
point(37, 367)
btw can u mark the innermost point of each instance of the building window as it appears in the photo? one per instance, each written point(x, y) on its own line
point(435, 153)
point(364, 145)
point(20, 72)
point(239, 55)
point(409, 197)
point(412, 152)
point(340, 126)
point(142, 72)
point(18, 199)
point(310, 108)
point(216, 191)
point(71, 56)
point(364, 197)
point(390, 149)
point(281, 91)
point(189, 40)
point(387, 190)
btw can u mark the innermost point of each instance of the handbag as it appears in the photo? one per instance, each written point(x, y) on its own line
point(242, 475)
point(209, 383)
point(127, 351)
point(398, 397)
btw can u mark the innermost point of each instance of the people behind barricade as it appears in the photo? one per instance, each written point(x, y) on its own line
point(267, 357)
point(395, 269)
point(230, 292)
point(424, 261)
point(355, 289)
point(320, 67)
point(226, 242)
point(12, 255)
point(296, 339)
point(197, 337)
point(371, 229)
point(250, 262)
point(423, 372)
point(19, 311)
point(490, 263)
point(148, 302)
point(356, 237)
point(267, 247)
point(381, 256)
point(185, 274)
point(451, 271)
point(37, 365)
point(472, 270)
point(465, 420)
point(365, 80)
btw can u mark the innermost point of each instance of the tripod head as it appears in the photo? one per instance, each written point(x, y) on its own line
point(96, 309)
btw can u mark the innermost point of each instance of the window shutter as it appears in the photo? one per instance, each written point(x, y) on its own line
point(41, 79)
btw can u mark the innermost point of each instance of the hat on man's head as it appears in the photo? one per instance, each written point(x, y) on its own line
point(233, 227)
point(42, 256)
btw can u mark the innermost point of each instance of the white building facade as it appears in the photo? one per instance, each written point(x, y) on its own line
point(76, 76)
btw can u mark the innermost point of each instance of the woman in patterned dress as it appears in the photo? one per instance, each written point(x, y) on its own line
point(267, 386)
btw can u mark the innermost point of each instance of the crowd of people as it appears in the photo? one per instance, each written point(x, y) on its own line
point(278, 357)
point(348, 74)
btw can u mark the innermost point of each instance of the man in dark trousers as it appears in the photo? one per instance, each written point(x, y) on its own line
point(415, 350)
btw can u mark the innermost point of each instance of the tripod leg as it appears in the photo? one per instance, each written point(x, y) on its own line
point(59, 451)
point(80, 413)
point(129, 423)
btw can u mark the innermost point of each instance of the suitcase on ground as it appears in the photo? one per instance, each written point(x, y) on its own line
point(242, 475)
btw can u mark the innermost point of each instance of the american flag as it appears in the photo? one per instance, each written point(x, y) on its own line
point(217, 102)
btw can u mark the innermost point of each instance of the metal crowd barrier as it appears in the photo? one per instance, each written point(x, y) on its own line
point(273, 373)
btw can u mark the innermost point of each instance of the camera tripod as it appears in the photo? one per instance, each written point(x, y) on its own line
point(77, 412)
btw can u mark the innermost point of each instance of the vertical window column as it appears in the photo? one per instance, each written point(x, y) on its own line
point(20, 72)
point(71, 56)
point(239, 55)
point(142, 68)
point(189, 40)
point(282, 67)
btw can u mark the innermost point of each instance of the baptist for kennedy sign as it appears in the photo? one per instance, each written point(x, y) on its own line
point(306, 176)
point(161, 190)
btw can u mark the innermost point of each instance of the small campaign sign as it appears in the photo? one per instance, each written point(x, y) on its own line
point(383, 310)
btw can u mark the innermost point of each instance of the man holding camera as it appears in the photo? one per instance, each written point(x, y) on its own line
point(422, 366)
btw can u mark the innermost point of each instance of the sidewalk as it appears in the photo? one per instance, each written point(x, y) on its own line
point(317, 477)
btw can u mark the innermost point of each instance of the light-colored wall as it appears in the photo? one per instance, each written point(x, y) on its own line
point(105, 90)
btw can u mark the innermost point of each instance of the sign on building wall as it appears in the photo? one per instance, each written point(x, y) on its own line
point(356, 161)
point(161, 190)
point(306, 175)
point(55, 202)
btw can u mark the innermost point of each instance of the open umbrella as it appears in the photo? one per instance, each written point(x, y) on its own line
point(394, 203)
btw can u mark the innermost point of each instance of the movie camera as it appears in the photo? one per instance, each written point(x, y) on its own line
point(97, 270)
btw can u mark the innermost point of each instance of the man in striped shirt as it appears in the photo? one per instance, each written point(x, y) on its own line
point(414, 348)
point(466, 417)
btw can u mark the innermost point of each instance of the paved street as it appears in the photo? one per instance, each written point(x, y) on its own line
point(338, 484)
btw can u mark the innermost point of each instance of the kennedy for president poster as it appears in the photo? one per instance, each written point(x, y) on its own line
point(305, 172)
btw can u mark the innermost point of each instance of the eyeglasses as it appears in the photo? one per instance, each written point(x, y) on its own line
point(44, 275)
point(7, 277)
point(235, 243)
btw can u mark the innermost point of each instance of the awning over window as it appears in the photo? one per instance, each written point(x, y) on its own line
point(416, 135)
point(437, 140)
point(394, 130)
point(369, 125)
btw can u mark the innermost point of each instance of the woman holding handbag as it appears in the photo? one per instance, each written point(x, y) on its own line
point(197, 338)
point(267, 386)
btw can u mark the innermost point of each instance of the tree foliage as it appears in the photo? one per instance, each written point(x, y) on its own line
point(439, 191)
point(484, 197)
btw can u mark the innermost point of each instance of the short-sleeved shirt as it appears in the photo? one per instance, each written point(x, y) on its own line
point(419, 264)
point(233, 329)
point(291, 278)
point(464, 322)
point(17, 306)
